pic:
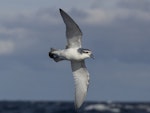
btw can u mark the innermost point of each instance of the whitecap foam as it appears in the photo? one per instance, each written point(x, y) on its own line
point(102, 107)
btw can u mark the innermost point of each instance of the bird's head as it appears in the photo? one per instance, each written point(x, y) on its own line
point(86, 53)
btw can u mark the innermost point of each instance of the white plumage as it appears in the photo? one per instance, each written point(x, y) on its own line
point(76, 55)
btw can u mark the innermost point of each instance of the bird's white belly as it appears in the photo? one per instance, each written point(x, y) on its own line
point(72, 54)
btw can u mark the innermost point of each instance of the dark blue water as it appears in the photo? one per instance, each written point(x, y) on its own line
point(68, 107)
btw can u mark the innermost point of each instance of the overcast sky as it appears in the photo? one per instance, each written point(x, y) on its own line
point(117, 31)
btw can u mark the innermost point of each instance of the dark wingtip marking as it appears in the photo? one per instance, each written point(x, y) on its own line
point(60, 10)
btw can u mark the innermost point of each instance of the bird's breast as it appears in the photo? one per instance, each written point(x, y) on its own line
point(71, 54)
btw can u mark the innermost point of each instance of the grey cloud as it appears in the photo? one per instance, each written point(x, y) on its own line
point(135, 5)
point(78, 13)
point(125, 4)
point(32, 37)
point(125, 39)
point(124, 42)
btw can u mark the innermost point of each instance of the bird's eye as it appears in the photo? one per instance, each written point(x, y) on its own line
point(86, 52)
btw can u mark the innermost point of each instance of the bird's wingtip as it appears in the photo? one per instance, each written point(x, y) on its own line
point(60, 10)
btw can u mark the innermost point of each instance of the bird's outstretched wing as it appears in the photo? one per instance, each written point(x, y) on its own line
point(81, 78)
point(73, 32)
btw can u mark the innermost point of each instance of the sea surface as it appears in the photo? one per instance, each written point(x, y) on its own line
point(68, 107)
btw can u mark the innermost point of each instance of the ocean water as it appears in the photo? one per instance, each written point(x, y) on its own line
point(68, 107)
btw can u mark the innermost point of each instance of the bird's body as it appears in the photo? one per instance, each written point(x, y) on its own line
point(76, 55)
point(73, 54)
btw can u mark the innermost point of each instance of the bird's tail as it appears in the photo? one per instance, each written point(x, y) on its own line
point(54, 56)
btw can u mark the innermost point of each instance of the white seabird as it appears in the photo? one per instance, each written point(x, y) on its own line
point(76, 55)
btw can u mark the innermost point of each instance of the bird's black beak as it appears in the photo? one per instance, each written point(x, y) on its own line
point(92, 56)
